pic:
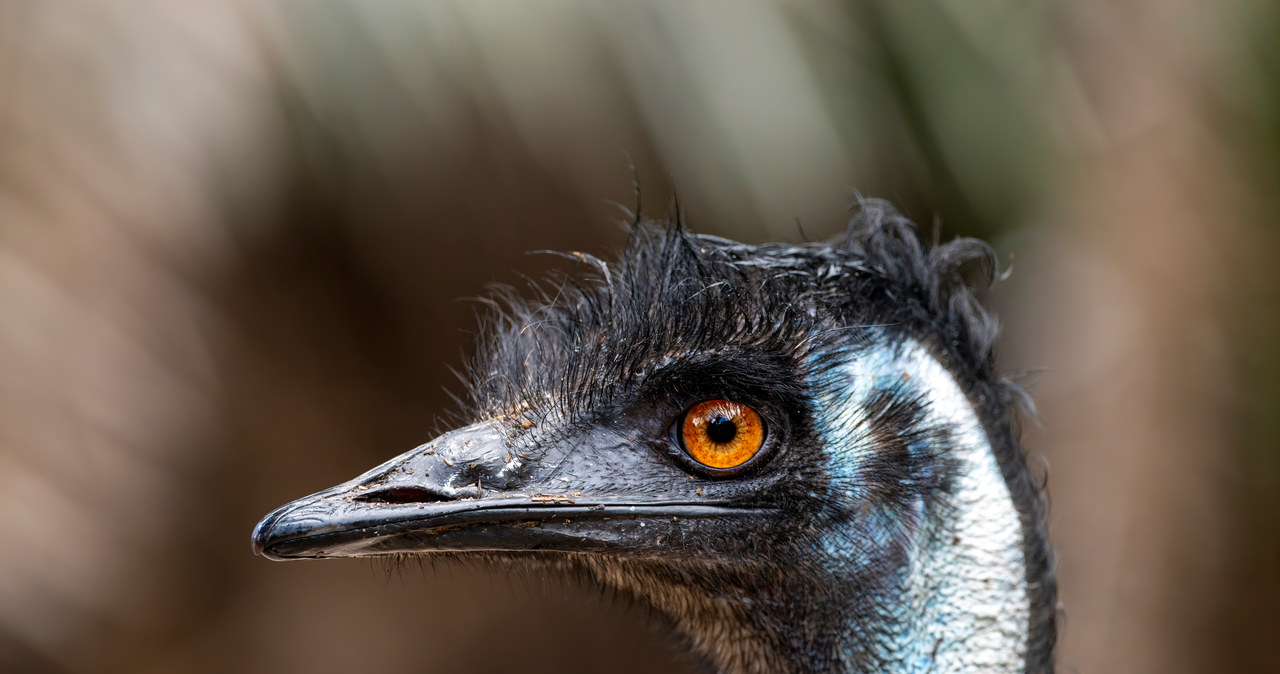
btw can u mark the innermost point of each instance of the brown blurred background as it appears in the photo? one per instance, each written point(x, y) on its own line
point(233, 235)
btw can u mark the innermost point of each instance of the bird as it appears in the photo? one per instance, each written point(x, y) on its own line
point(799, 455)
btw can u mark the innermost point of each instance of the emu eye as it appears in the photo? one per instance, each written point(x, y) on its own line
point(721, 434)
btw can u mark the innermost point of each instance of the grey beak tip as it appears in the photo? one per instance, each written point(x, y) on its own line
point(264, 533)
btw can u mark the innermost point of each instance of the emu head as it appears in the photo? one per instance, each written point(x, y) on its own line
point(799, 455)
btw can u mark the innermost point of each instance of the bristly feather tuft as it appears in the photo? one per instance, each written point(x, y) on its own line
point(672, 293)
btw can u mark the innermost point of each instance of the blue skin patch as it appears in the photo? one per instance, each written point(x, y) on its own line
point(841, 396)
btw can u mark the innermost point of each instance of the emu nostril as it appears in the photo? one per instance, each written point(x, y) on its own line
point(402, 495)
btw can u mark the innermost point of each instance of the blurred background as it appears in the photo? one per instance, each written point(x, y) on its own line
point(233, 237)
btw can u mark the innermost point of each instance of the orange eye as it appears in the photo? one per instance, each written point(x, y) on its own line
point(722, 434)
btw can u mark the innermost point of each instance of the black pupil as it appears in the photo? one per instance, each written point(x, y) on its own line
point(721, 430)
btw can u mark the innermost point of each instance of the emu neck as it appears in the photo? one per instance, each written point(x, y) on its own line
point(960, 600)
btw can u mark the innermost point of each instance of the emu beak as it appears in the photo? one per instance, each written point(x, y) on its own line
point(468, 490)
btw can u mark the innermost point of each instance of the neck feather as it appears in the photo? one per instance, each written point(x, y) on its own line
point(959, 601)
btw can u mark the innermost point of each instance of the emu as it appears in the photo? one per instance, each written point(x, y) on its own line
point(800, 455)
